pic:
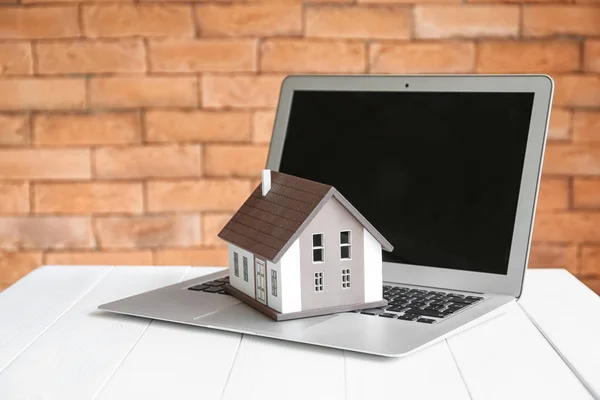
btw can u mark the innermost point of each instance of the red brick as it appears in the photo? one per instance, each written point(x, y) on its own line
point(45, 233)
point(429, 57)
point(40, 94)
point(148, 162)
point(89, 57)
point(86, 129)
point(407, 2)
point(577, 90)
point(14, 129)
point(38, 22)
point(549, 20)
point(586, 126)
point(472, 21)
point(249, 19)
point(528, 57)
point(234, 160)
point(88, 198)
point(199, 195)
point(553, 195)
point(545, 255)
point(14, 198)
point(45, 164)
point(560, 124)
point(197, 126)
point(211, 226)
point(15, 59)
point(157, 20)
point(591, 55)
point(144, 92)
point(358, 22)
point(192, 257)
point(262, 126)
point(99, 258)
point(207, 55)
point(571, 227)
point(586, 193)
point(148, 231)
point(14, 266)
point(241, 91)
point(590, 262)
point(298, 55)
point(572, 159)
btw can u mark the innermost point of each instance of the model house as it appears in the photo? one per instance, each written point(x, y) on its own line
point(298, 248)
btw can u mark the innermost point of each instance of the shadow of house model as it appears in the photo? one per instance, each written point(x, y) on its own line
point(298, 248)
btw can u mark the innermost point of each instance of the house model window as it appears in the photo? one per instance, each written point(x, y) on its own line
point(318, 281)
point(346, 245)
point(346, 278)
point(236, 264)
point(318, 249)
point(245, 269)
point(274, 283)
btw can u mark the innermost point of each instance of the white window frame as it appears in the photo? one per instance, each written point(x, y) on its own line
point(319, 287)
point(321, 247)
point(245, 264)
point(274, 283)
point(236, 264)
point(346, 274)
point(348, 245)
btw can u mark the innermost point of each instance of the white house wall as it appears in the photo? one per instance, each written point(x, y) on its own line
point(373, 268)
point(238, 282)
point(290, 279)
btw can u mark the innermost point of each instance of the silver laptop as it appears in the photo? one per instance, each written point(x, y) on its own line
point(446, 167)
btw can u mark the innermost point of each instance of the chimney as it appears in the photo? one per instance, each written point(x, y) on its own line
point(266, 181)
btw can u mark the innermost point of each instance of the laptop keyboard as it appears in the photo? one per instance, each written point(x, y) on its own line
point(425, 306)
point(216, 286)
point(408, 304)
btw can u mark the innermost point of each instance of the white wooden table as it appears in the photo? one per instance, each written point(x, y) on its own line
point(54, 344)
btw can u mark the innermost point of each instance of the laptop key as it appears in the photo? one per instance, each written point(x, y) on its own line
point(212, 289)
point(372, 311)
point(426, 320)
point(426, 313)
point(407, 317)
point(474, 298)
point(387, 315)
point(215, 283)
point(198, 288)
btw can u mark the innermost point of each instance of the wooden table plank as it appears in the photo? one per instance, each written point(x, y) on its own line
point(427, 374)
point(35, 302)
point(568, 315)
point(173, 361)
point(269, 369)
point(77, 354)
point(507, 358)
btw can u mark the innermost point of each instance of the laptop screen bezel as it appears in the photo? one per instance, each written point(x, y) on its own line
point(540, 85)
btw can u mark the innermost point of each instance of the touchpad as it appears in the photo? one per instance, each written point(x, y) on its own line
point(242, 317)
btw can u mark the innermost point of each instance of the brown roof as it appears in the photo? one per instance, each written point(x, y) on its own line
point(268, 225)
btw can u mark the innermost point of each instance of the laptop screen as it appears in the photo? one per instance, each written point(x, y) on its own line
point(438, 174)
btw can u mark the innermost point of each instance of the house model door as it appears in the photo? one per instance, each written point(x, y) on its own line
point(260, 281)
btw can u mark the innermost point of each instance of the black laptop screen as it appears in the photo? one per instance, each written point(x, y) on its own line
point(438, 174)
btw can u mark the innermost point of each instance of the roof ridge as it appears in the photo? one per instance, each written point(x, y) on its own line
point(289, 197)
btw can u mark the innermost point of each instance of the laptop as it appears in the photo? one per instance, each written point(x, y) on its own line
point(446, 167)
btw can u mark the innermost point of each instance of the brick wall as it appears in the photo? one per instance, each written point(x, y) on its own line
point(129, 131)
